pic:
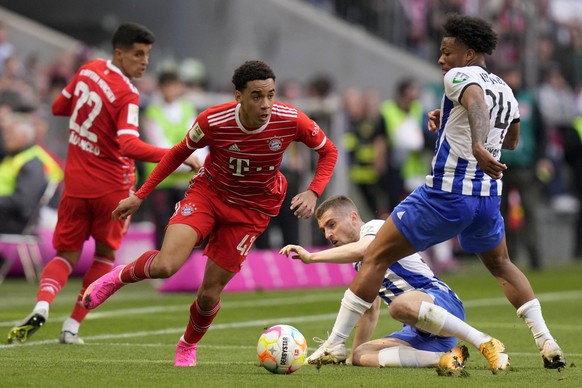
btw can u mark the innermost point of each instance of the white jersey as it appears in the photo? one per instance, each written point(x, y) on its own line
point(407, 274)
point(454, 168)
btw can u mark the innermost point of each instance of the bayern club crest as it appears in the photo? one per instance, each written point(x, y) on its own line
point(188, 210)
point(275, 144)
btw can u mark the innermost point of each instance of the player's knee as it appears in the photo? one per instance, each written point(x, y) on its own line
point(165, 268)
point(400, 311)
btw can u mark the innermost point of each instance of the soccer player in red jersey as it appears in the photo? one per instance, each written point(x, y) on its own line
point(230, 200)
point(103, 106)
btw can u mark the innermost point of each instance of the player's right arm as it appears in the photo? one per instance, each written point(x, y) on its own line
point(62, 104)
point(348, 253)
point(171, 160)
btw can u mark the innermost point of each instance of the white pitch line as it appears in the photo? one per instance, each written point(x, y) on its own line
point(184, 308)
point(474, 303)
point(180, 330)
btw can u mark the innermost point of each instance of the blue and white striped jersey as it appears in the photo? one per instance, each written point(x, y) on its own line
point(454, 168)
point(407, 274)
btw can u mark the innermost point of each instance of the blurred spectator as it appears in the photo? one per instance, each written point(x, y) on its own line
point(556, 102)
point(401, 122)
point(6, 47)
point(574, 55)
point(166, 120)
point(364, 141)
point(511, 28)
point(193, 73)
point(322, 105)
point(528, 170)
point(63, 66)
point(558, 109)
point(25, 171)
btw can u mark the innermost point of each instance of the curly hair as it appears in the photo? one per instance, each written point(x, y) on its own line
point(251, 71)
point(474, 32)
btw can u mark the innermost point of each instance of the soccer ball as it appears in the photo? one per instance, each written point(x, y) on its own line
point(281, 349)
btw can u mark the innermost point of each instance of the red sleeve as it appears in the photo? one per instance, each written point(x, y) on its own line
point(136, 149)
point(325, 166)
point(309, 133)
point(62, 105)
point(169, 163)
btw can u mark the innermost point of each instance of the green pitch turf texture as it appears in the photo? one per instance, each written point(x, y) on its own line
point(130, 340)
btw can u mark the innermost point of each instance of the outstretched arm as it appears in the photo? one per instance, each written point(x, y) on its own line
point(348, 253)
point(177, 155)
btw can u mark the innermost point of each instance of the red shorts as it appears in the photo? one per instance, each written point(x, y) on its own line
point(81, 218)
point(232, 228)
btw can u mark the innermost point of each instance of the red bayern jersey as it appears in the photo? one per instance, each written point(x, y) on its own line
point(243, 164)
point(103, 106)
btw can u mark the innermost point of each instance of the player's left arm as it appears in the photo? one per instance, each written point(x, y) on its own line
point(512, 137)
point(347, 253)
point(309, 133)
point(473, 101)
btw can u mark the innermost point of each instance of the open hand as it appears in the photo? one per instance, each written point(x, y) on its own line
point(297, 252)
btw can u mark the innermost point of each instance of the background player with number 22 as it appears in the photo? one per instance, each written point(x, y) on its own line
point(232, 197)
point(103, 106)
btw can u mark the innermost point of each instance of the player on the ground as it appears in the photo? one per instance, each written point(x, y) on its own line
point(103, 106)
point(462, 195)
point(412, 291)
point(231, 198)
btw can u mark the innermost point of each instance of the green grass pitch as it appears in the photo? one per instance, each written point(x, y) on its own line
point(130, 340)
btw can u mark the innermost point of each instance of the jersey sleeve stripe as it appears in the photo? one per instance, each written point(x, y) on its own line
point(321, 144)
point(128, 131)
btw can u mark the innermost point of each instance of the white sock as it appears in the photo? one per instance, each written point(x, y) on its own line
point(71, 325)
point(183, 340)
point(443, 252)
point(531, 313)
point(436, 320)
point(407, 357)
point(42, 308)
point(351, 310)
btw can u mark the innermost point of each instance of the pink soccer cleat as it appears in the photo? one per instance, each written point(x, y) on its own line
point(185, 354)
point(101, 289)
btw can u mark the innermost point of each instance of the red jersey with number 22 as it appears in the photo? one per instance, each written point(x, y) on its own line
point(102, 104)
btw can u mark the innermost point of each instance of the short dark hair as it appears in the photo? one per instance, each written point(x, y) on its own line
point(337, 201)
point(129, 33)
point(404, 84)
point(166, 77)
point(474, 32)
point(251, 71)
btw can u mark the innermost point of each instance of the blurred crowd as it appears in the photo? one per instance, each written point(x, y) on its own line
point(385, 142)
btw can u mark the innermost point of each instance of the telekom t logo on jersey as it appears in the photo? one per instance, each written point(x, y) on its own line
point(239, 166)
